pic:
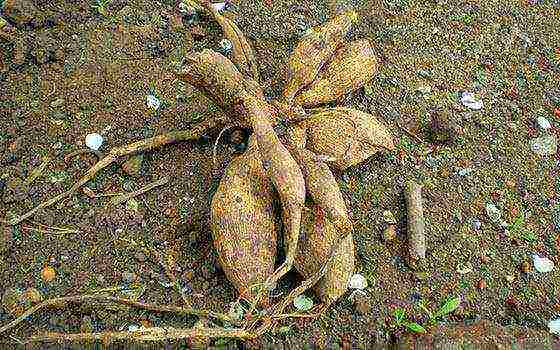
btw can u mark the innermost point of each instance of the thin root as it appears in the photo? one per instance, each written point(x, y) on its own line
point(115, 154)
point(68, 301)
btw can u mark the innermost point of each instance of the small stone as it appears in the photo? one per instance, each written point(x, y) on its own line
point(361, 303)
point(59, 102)
point(48, 274)
point(153, 102)
point(94, 141)
point(357, 281)
point(128, 277)
point(133, 165)
point(463, 269)
point(140, 257)
point(470, 101)
point(526, 267)
point(543, 123)
point(303, 303)
point(476, 224)
point(493, 212)
point(554, 326)
point(481, 284)
point(544, 145)
point(390, 233)
point(225, 46)
point(542, 265)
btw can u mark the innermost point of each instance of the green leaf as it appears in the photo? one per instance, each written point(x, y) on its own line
point(449, 306)
point(399, 315)
point(303, 303)
point(415, 327)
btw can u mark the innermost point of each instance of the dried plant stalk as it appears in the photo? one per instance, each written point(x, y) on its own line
point(347, 135)
point(243, 226)
point(317, 238)
point(242, 53)
point(285, 174)
point(415, 226)
point(117, 152)
point(314, 51)
point(352, 66)
point(150, 334)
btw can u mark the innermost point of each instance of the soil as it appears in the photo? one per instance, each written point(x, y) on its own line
point(67, 70)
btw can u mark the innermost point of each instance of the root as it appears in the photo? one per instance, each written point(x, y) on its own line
point(82, 299)
point(145, 334)
point(123, 198)
point(115, 154)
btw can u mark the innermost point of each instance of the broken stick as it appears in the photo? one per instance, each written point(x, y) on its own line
point(123, 198)
point(415, 227)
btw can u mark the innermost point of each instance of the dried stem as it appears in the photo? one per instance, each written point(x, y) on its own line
point(148, 187)
point(81, 299)
point(415, 218)
point(145, 334)
point(116, 153)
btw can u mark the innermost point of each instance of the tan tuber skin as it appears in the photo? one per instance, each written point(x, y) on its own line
point(243, 226)
point(284, 172)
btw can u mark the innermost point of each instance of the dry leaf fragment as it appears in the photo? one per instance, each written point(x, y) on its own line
point(352, 66)
point(314, 51)
point(243, 227)
point(347, 135)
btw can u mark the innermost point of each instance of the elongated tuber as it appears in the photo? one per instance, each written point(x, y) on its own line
point(317, 238)
point(243, 226)
point(352, 66)
point(314, 51)
point(284, 172)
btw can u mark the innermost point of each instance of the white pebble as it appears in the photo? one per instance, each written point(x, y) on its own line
point(554, 326)
point(470, 101)
point(94, 141)
point(542, 265)
point(219, 6)
point(357, 281)
point(153, 102)
point(543, 123)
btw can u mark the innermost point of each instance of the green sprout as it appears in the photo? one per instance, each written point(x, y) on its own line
point(400, 321)
point(517, 229)
point(101, 6)
point(448, 307)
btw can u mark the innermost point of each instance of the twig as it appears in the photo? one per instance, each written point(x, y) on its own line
point(146, 334)
point(116, 153)
point(216, 143)
point(82, 151)
point(36, 172)
point(409, 133)
point(415, 228)
point(65, 301)
point(29, 228)
point(123, 198)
